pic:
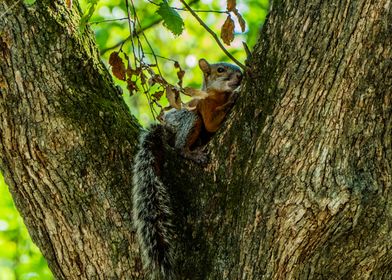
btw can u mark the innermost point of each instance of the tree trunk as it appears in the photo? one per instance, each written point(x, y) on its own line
point(67, 142)
point(298, 185)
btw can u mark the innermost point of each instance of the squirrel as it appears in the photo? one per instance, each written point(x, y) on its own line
point(183, 128)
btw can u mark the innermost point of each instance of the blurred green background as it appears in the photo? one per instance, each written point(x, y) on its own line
point(20, 259)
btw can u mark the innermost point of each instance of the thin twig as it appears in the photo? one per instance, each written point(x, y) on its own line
point(154, 113)
point(145, 38)
point(139, 31)
point(165, 58)
point(130, 33)
point(107, 20)
point(213, 34)
point(197, 11)
point(203, 11)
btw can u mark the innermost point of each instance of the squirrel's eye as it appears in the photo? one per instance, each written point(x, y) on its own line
point(220, 69)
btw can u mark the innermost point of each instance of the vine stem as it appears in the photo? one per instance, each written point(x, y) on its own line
point(213, 34)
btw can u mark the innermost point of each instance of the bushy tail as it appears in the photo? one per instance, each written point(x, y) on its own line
point(151, 205)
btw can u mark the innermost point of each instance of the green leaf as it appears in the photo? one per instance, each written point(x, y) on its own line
point(171, 19)
point(29, 2)
point(92, 5)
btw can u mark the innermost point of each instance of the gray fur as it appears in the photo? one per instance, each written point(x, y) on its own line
point(152, 213)
point(182, 122)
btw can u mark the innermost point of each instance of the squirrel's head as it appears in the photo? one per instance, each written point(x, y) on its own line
point(220, 77)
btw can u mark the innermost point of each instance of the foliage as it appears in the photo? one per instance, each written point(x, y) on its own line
point(92, 5)
point(112, 30)
point(19, 257)
point(29, 2)
point(171, 19)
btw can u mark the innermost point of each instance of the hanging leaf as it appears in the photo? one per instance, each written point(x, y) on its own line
point(173, 96)
point(131, 86)
point(157, 95)
point(180, 75)
point(227, 31)
point(231, 5)
point(131, 72)
point(69, 4)
point(171, 19)
point(151, 81)
point(160, 116)
point(118, 67)
point(241, 20)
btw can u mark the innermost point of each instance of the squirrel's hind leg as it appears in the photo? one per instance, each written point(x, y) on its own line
point(187, 136)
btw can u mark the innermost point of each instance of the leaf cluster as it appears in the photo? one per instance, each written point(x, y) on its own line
point(112, 27)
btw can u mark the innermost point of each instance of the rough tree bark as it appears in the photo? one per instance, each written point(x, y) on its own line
point(299, 180)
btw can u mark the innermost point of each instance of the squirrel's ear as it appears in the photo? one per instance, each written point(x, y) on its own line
point(204, 66)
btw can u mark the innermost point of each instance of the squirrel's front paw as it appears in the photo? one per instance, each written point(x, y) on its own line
point(201, 158)
point(197, 156)
point(233, 96)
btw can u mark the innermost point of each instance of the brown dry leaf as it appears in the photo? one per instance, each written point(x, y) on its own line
point(69, 4)
point(160, 116)
point(157, 95)
point(159, 79)
point(131, 72)
point(180, 75)
point(173, 96)
point(241, 20)
point(227, 32)
point(231, 5)
point(195, 93)
point(118, 67)
point(131, 86)
point(150, 71)
point(151, 82)
point(143, 78)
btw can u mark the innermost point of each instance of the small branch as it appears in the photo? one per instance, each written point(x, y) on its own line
point(107, 20)
point(162, 57)
point(213, 34)
point(139, 31)
point(131, 27)
point(197, 11)
point(203, 11)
